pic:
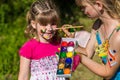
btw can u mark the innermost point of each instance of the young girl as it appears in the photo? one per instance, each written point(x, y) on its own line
point(105, 37)
point(38, 55)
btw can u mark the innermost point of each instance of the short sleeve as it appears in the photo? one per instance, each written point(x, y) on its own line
point(26, 50)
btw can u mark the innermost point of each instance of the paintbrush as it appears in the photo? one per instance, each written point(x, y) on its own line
point(68, 26)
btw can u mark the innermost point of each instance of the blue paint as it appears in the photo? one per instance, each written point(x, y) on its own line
point(104, 60)
point(98, 38)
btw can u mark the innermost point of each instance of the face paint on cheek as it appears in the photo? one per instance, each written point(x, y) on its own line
point(47, 34)
point(43, 31)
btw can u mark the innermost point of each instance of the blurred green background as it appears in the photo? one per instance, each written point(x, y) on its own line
point(12, 25)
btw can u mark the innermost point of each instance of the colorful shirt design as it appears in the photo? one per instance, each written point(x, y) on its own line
point(43, 60)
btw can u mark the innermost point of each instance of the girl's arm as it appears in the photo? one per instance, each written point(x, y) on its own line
point(107, 71)
point(90, 48)
point(24, 69)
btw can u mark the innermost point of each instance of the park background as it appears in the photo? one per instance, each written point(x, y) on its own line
point(12, 25)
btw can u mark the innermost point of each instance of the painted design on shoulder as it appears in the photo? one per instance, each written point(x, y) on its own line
point(105, 54)
point(98, 38)
point(102, 51)
point(111, 58)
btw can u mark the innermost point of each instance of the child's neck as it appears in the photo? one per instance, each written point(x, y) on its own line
point(108, 27)
point(108, 20)
point(41, 39)
point(111, 24)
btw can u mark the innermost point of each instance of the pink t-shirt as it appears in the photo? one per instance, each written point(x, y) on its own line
point(33, 49)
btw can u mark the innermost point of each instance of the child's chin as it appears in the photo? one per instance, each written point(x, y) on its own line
point(48, 38)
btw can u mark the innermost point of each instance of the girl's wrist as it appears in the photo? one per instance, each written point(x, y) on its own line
point(69, 34)
point(80, 50)
point(81, 54)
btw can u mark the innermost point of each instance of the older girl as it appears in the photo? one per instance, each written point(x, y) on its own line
point(105, 37)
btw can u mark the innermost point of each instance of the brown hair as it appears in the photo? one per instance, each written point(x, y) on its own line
point(42, 11)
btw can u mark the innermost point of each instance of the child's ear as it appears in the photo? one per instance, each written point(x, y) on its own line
point(33, 23)
point(100, 5)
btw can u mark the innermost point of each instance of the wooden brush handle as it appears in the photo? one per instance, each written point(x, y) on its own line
point(69, 26)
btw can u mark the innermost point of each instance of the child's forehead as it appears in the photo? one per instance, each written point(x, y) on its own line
point(88, 1)
point(84, 3)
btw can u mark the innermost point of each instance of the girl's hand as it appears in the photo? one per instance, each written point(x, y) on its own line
point(78, 56)
point(65, 30)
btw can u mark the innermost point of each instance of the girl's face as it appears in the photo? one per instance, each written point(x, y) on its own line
point(46, 31)
point(90, 10)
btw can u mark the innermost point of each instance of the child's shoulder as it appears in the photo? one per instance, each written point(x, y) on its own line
point(27, 47)
point(29, 44)
point(117, 35)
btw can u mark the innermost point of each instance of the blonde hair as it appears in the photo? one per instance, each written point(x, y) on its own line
point(42, 11)
point(111, 6)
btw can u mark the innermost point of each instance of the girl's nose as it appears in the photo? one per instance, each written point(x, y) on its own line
point(49, 27)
